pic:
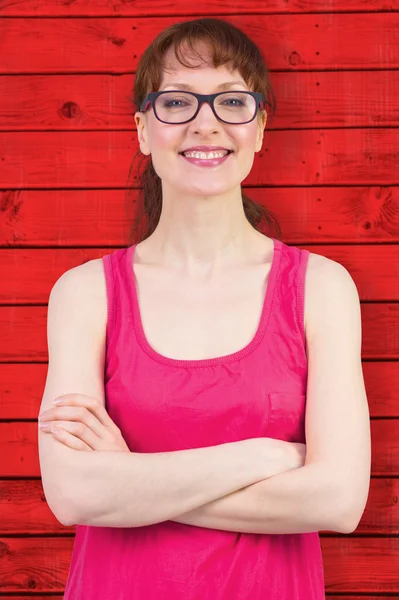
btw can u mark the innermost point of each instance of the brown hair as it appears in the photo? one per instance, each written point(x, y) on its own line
point(227, 44)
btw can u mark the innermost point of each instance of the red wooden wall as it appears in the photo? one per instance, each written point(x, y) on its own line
point(329, 170)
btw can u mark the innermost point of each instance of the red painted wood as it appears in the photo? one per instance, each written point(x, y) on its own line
point(98, 102)
point(332, 596)
point(307, 215)
point(294, 42)
point(148, 8)
point(24, 510)
point(23, 384)
point(19, 453)
point(23, 332)
point(29, 274)
point(357, 565)
point(296, 157)
point(330, 156)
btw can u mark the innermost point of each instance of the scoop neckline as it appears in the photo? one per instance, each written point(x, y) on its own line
point(203, 362)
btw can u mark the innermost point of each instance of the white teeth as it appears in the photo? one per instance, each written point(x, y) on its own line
point(205, 155)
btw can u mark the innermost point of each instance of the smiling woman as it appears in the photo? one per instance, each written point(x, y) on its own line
point(200, 456)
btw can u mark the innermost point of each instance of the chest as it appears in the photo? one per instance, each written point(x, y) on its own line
point(161, 407)
point(193, 320)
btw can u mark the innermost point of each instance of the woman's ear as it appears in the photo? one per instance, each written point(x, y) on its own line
point(142, 132)
point(262, 120)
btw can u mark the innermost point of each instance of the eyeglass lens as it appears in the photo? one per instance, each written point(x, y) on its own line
point(233, 107)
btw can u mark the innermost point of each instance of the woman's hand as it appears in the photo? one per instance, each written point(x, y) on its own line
point(81, 422)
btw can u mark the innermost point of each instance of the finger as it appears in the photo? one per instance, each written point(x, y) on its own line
point(81, 432)
point(92, 404)
point(70, 440)
point(77, 414)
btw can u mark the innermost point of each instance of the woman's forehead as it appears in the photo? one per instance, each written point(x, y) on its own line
point(205, 74)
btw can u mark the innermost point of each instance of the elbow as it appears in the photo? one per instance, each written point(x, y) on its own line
point(347, 524)
point(62, 515)
point(70, 515)
point(354, 506)
point(60, 506)
point(66, 520)
point(350, 501)
point(69, 522)
point(346, 515)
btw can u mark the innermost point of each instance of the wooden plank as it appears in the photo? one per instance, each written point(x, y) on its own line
point(102, 8)
point(23, 385)
point(299, 157)
point(307, 215)
point(291, 41)
point(28, 275)
point(25, 511)
point(332, 596)
point(19, 452)
point(352, 565)
point(97, 102)
point(24, 339)
point(361, 565)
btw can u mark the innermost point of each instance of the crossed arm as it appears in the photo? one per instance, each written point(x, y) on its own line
point(296, 501)
point(328, 492)
point(106, 494)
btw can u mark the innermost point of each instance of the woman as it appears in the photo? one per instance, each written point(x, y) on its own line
point(184, 467)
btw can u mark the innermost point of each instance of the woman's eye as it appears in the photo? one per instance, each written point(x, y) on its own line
point(240, 102)
point(171, 103)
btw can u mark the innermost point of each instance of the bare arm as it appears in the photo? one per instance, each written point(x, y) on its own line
point(299, 501)
point(129, 490)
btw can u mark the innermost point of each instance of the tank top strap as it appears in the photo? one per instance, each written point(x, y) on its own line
point(302, 260)
point(117, 292)
point(289, 302)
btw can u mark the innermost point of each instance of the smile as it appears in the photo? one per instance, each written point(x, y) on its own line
point(206, 159)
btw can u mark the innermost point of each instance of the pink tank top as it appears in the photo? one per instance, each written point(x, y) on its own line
point(163, 404)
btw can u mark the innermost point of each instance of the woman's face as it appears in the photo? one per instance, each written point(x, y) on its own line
point(165, 142)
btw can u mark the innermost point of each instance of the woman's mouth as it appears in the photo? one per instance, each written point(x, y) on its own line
point(206, 159)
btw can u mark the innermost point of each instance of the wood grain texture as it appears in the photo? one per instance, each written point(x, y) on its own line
point(305, 99)
point(23, 384)
point(328, 170)
point(348, 563)
point(25, 511)
point(292, 42)
point(27, 275)
point(23, 332)
point(148, 8)
point(308, 215)
point(19, 455)
point(295, 157)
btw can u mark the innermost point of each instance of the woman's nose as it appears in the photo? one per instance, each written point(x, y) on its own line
point(206, 116)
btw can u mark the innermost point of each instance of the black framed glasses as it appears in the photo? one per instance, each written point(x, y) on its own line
point(177, 107)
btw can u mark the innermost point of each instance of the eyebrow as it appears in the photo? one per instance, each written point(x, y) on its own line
point(187, 86)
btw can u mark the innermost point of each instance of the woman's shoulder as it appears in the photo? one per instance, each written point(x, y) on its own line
point(325, 279)
point(85, 287)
